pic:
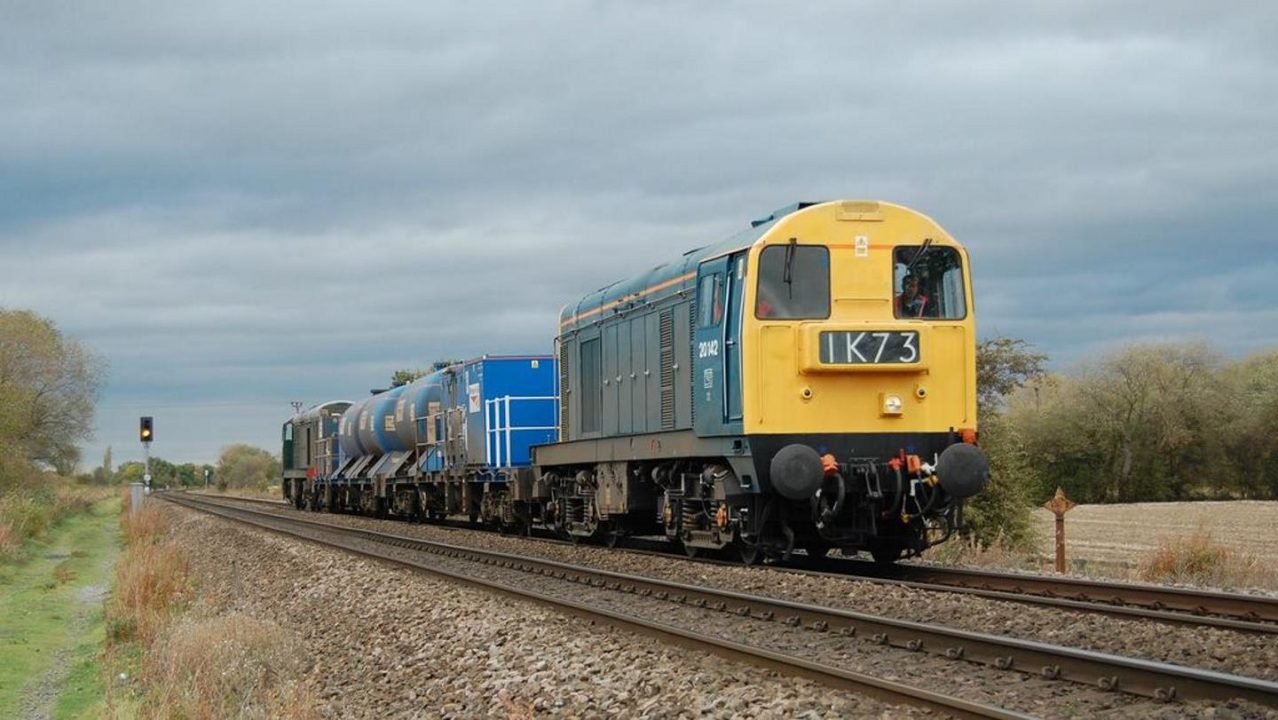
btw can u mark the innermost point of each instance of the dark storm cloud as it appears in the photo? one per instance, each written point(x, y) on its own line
point(211, 194)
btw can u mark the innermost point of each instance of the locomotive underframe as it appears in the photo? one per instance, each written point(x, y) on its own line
point(679, 486)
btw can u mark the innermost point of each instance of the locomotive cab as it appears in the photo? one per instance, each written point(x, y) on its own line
point(858, 372)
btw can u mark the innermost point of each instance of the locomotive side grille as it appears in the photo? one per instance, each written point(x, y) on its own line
point(564, 395)
point(667, 370)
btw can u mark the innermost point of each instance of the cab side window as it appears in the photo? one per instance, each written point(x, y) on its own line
point(710, 301)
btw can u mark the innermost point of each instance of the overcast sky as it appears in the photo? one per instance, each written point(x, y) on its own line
point(239, 205)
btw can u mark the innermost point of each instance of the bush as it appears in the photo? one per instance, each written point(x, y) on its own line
point(244, 466)
point(1001, 512)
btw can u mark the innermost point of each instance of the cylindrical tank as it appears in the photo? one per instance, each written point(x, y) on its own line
point(416, 403)
point(364, 429)
point(383, 423)
point(348, 430)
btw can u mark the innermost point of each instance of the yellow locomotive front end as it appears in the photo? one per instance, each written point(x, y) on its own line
point(858, 387)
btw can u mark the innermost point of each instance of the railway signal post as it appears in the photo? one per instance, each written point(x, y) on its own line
point(146, 433)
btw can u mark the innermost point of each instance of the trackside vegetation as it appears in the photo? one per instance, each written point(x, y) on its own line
point(1153, 423)
point(51, 626)
point(169, 656)
point(1143, 423)
point(48, 387)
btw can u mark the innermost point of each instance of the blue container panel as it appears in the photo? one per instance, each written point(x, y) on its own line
point(523, 376)
point(521, 442)
point(533, 413)
point(530, 383)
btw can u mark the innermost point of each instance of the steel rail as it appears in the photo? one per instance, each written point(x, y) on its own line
point(1192, 601)
point(1178, 606)
point(888, 690)
point(1145, 678)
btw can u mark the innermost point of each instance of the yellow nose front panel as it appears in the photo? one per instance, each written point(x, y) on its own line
point(789, 388)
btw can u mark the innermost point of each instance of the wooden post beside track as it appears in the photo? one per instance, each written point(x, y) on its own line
point(1059, 505)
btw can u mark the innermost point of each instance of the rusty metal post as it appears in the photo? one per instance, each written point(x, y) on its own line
point(1060, 542)
point(1059, 505)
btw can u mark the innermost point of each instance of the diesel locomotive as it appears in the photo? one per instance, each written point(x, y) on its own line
point(807, 383)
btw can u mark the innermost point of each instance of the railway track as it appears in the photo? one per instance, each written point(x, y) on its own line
point(1179, 606)
point(1237, 611)
point(1139, 680)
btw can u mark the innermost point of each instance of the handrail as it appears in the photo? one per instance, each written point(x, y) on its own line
point(498, 429)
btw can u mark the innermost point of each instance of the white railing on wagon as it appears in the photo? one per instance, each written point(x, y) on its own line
point(497, 444)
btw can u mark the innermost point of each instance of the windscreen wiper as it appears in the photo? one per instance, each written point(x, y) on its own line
point(927, 245)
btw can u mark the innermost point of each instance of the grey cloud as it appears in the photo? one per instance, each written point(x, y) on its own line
point(206, 193)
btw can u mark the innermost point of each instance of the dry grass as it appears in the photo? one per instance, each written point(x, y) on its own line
point(223, 666)
point(150, 579)
point(271, 492)
point(1200, 560)
point(146, 526)
point(226, 666)
point(1138, 540)
point(9, 542)
point(972, 553)
point(31, 508)
point(1156, 542)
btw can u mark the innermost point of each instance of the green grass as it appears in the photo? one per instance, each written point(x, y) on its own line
point(44, 611)
point(82, 690)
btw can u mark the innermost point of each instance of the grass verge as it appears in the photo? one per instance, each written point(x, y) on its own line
point(29, 510)
point(49, 622)
point(181, 658)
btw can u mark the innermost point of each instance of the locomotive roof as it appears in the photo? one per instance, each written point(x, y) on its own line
point(676, 276)
point(313, 412)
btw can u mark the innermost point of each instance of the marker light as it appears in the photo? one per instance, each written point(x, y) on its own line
point(891, 404)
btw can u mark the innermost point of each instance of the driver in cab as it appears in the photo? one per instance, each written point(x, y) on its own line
point(911, 302)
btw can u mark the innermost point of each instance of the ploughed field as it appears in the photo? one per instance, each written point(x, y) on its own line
point(1121, 537)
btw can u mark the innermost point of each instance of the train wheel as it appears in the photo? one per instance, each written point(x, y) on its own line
point(748, 554)
point(885, 553)
point(612, 533)
point(691, 551)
